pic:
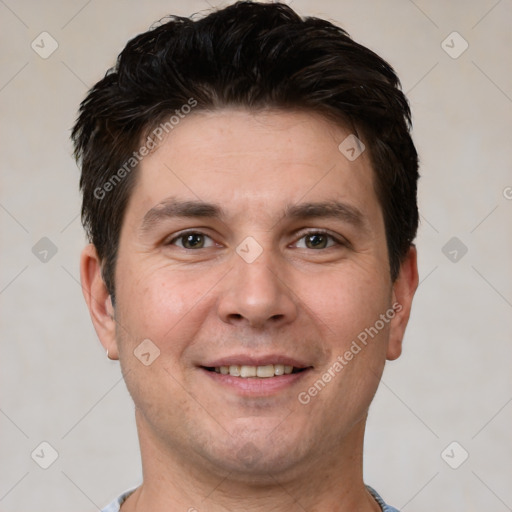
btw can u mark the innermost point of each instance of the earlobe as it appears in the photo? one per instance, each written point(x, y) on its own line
point(404, 288)
point(98, 300)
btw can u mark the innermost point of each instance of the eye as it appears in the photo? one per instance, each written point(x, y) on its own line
point(192, 240)
point(317, 240)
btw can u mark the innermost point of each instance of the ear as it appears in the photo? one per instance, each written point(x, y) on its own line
point(98, 300)
point(404, 288)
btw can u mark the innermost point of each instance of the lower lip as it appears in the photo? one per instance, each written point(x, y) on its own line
point(256, 386)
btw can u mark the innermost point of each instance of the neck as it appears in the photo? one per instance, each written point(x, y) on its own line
point(175, 481)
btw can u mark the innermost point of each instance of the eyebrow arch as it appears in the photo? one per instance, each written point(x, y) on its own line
point(172, 207)
point(328, 209)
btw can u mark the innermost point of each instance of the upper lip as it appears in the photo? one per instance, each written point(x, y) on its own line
point(246, 360)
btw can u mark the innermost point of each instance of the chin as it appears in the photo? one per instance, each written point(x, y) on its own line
point(258, 458)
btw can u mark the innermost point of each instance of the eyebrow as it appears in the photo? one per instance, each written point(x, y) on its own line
point(328, 210)
point(173, 207)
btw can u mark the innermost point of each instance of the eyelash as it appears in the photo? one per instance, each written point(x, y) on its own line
point(336, 240)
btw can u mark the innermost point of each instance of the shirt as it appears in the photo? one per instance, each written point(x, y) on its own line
point(116, 504)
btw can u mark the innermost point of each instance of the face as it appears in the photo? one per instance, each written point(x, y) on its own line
point(252, 245)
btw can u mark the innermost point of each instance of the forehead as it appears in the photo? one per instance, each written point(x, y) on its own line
point(256, 162)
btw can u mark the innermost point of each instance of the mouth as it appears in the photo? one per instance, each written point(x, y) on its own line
point(256, 377)
point(260, 372)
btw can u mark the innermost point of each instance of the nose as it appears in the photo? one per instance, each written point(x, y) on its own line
point(257, 294)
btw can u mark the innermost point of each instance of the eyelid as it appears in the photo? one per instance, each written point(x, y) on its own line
point(337, 238)
point(180, 234)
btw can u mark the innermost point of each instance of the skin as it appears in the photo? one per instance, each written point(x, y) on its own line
point(204, 446)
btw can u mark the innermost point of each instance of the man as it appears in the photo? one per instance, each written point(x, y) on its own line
point(249, 191)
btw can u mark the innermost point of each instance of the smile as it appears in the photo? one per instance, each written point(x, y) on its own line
point(262, 372)
point(256, 381)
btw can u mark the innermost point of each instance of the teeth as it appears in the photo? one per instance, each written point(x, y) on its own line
point(245, 371)
point(234, 370)
point(279, 369)
point(248, 371)
point(265, 371)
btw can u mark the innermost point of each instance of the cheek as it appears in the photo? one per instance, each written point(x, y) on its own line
point(164, 305)
point(348, 307)
point(347, 301)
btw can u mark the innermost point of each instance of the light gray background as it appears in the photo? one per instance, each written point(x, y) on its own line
point(453, 382)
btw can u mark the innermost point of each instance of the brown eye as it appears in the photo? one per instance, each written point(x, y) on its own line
point(192, 240)
point(316, 241)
